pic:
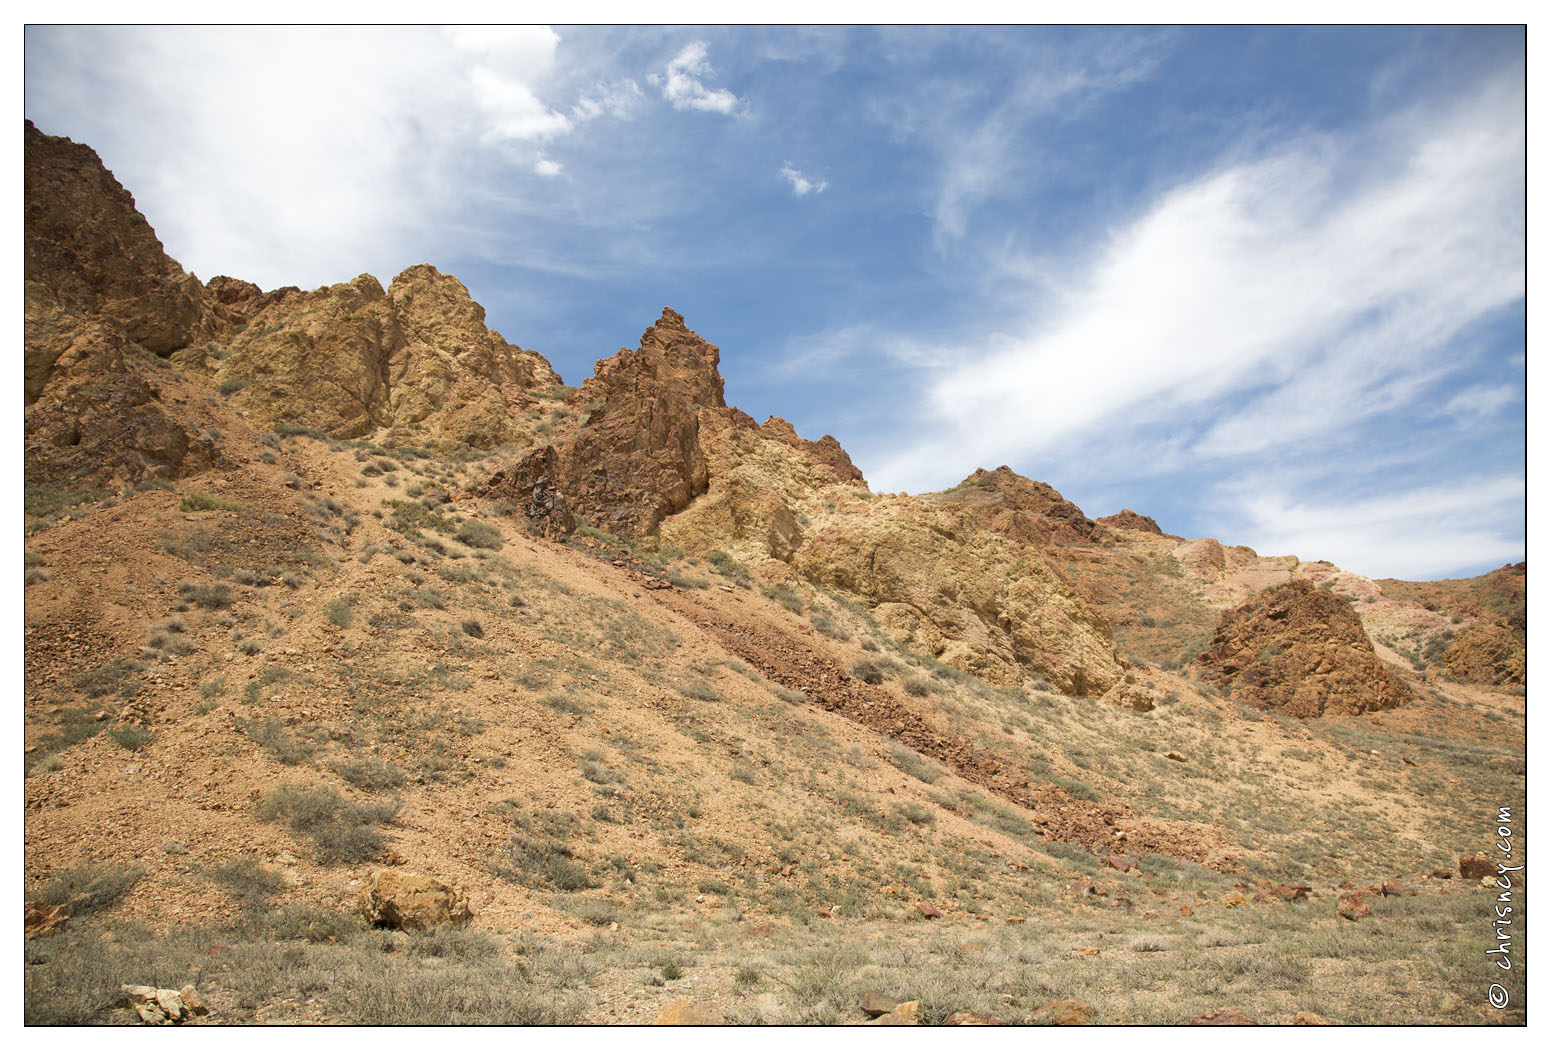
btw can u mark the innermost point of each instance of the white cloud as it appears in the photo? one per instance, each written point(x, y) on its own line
point(1414, 535)
point(510, 61)
point(682, 85)
point(1482, 401)
point(801, 184)
point(619, 99)
point(1279, 300)
point(305, 155)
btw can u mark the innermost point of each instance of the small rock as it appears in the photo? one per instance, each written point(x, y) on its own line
point(1222, 1016)
point(926, 909)
point(1308, 1018)
point(1475, 868)
point(1294, 892)
point(1061, 1012)
point(910, 1010)
point(1175, 756)
point(875, 1003)
point(1088, 950)
point(1440, 874)
point(1392, 889)
point(970, 1018)
point(687, 1012)
point(162, 1006)
point(1353, 909)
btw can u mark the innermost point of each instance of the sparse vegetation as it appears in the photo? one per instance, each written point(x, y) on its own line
point(206, 502)
point(341, 831)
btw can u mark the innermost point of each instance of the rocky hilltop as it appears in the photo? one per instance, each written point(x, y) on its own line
point(105, 304)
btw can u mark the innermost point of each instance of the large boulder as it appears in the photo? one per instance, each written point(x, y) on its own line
point(410, 902)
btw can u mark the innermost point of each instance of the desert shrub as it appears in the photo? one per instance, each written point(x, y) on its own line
point(373, 775)
point(132, 736)
point(482, 535)
point(698, 690)
point(206, 502)
point(341, 831)
point(120, 676)
point(271, 735)
point(729, 567)
point(88, 888)
point(786, 597)
point(473, 629)
point(313, 923)
point(427, 598)
point(915, 764)
point(561, 703)
point(868, 672)
point(916, 814)
point(597, 913)
point(743, 772)
point(209, 596)
point(339, 612)
point(539, 853)
point(252, 883)
point(453, 943)
point(825, 625)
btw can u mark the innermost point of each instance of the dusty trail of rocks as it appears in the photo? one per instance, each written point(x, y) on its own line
point(1101, 827)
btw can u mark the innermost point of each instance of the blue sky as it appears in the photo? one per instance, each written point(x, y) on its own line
point(1264, 285)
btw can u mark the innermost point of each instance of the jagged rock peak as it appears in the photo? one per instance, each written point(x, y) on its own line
point(672, 359)
point(827, 450)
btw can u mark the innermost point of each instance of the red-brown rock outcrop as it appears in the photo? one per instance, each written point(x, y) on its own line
point(1131, 521)
point(1020, 508)
point(1487, 653)
point(1301, 650)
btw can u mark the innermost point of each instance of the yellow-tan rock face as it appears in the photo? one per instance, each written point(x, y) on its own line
point(351, 358)
point(943, 585)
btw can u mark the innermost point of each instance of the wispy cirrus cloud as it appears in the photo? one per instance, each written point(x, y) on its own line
point(1265, 310)
point(1417, 534)
point(982, 151)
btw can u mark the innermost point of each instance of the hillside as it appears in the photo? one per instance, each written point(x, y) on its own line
point(320, 585)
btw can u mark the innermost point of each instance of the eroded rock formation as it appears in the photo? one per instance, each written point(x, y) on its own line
point(1301, 650)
